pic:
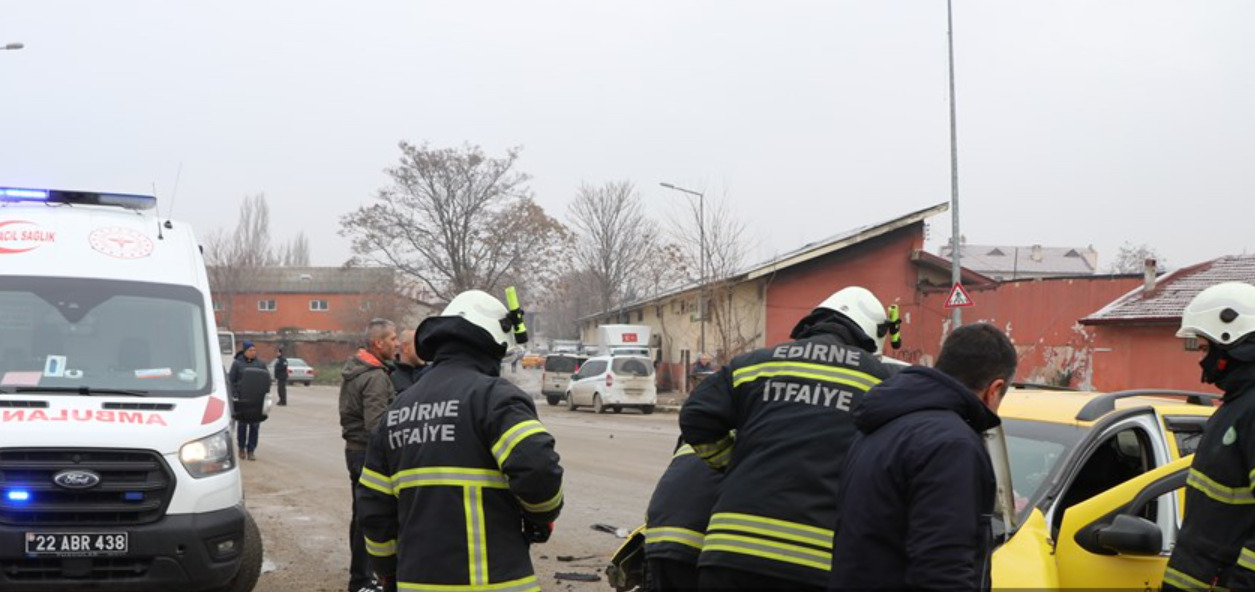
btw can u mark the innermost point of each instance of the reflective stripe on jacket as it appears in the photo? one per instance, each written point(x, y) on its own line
point(675, 522)
point(789, 406)
point(457, 464)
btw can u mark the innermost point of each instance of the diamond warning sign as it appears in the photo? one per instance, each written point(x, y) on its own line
point(958, 297)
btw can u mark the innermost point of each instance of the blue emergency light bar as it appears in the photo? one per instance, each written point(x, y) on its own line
point(86, 198)
point(18, 495)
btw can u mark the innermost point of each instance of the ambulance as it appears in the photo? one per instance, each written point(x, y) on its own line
point(117, 466)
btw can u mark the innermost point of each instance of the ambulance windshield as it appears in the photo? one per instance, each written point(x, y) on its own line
point(65, 333)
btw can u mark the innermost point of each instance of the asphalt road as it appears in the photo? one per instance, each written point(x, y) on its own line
point(298, 488)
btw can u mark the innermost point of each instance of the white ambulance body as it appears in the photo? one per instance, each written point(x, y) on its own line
point(117, 466)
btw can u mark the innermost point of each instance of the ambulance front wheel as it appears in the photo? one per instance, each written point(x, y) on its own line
point(250, 564)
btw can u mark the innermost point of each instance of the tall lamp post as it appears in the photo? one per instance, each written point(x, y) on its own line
point(12, 46)
point(956, 269)
point(701, 229)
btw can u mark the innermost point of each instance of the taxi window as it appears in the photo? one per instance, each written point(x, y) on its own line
point(1035, 449)
point(1187, 430)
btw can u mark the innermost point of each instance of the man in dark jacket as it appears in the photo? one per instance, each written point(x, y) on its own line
point(281, 377)
point(1215, 549)
point(246, 432)
point(675, 522)
point(918, 489)
point(364, 397)
point(409, 367)
point(460, 476)
point(789, 406)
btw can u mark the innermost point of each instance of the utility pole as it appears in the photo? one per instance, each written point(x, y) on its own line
point(956, 275)
point(701, 229)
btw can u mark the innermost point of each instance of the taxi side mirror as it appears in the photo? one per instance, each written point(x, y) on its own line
point(1131, 535)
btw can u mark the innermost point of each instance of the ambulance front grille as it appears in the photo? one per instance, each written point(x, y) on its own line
point(135, 487)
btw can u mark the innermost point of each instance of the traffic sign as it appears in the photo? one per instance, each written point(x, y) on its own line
point(959, 297)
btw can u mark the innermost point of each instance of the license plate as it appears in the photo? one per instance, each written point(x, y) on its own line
point(76, 544)
point(634, 392)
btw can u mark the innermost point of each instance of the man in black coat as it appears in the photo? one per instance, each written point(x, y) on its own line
point(917, 495)
point(281, 376)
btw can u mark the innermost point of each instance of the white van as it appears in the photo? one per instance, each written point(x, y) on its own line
point(614, 382)
point(117, 466)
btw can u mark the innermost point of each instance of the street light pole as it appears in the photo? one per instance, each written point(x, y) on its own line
point(955, 267)
point(701, 229)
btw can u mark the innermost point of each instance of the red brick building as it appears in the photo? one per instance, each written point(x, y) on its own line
point(764, 302)
point(318, 313)
point(1135, 341)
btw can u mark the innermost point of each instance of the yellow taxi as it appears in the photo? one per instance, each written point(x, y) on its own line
point(1095, 495)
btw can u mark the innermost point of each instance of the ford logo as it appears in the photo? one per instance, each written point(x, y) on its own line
point(77, 479)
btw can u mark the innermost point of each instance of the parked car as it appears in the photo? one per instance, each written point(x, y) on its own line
point(298, 371)
point(557, 375)
point(614, 382)
point(1096, 479)
point(533, 360)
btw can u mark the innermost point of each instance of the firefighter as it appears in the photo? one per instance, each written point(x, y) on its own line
point(460, 477)
point(1216, 546)
point(675, 523)
point(789, 407)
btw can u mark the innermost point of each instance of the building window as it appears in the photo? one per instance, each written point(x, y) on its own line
point(640, 315)
point(365, 306)
point(267, 305)
point(319, 305)
point(217, 306)
point(1191, 344)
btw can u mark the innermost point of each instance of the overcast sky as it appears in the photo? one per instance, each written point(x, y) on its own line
point(1080, 122)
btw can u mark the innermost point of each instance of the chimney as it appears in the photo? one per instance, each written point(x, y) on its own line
point(1037, 254)
point(1151, 269)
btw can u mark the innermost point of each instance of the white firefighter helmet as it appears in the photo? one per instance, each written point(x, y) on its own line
point(485, 312)
point(861, 306)
point(1224, 314)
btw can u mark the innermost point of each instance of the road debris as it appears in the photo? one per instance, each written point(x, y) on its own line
point(576, 576)
point(574, 558)
point(614, 530)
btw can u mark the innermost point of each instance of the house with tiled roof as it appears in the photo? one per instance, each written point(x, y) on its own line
point(1011, 262)
point(1135, 343)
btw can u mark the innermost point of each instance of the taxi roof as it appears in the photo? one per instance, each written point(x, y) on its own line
point(1065, 407)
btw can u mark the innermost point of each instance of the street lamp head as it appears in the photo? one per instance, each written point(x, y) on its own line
point(668, 185)
point(14, 46)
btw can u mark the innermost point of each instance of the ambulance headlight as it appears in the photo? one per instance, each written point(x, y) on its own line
point(208, 456)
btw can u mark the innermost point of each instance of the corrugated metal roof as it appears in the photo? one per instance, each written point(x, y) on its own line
point(1175, 290)
point(318, 280)
point(1033, 260)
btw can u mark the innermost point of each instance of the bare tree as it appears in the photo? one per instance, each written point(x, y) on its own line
point(454, 219)
point(294, 253)
point(1132, 258)
point(727, 246)
point(615, 237)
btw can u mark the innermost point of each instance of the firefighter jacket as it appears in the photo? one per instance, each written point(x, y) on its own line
point(915, 510)
point(456, 466)
point(1216, 544)
point(790, 408)
point(675, 523)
